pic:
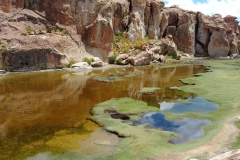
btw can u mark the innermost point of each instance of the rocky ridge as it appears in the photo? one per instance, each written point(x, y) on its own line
point(38, 34)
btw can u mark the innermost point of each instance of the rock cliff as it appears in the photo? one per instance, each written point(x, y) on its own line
point(50, 34)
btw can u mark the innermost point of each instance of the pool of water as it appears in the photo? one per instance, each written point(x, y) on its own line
point(188, 129)
point(49, 111)
point(197, 104)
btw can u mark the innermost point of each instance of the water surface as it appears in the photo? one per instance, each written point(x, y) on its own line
point(196, 104)
point(48, 111)
point(188, 129)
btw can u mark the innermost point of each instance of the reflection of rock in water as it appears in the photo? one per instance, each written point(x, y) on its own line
point(197, 104)
point(189, 129)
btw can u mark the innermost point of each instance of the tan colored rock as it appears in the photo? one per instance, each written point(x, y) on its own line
point(42, 51)
point(216, 36)
point(233, 43)
point(143, 58)
point(232, 22)
point(185, 22)
point(231, 155)
point(203, 35)
point(218, 45)
point(136, 28)
point(171, 30)
point(164, 22)
point(155, 19)
point(185, 35)
point(121, 15)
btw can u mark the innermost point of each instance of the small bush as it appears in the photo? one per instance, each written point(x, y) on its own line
point(64, 31)
point(29, 30)
point(71, 63)
point(118, 33)
point(154, 59)
point(136, 52)
point(169, 54)
point(88, 60)
point(58, 31)
point(3, 47)
point(112, 59)
point(53, 31)
point(119, 61)
point(141, 44)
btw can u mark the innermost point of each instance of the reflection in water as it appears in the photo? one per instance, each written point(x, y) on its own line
point(196, 104)
point(189, 129)
point(47, 112)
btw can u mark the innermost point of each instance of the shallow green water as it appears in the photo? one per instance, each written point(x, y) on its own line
point(48, 111)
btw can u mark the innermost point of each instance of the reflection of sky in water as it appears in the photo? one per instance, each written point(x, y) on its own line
point(197, 104)
point(189, 129)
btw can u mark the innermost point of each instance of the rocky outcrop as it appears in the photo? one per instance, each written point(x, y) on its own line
point(153, 18)
point(31, 45)
point(181, 25)
point(71, 29)
point(136, 28)
point(218, 45)
point(216, 36)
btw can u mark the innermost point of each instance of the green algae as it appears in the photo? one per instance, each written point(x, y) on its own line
point(218, 85)
point(139, 141)
point(236, 144)
point(149, 90)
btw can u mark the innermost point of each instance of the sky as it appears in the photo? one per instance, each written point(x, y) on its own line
point(209, 7)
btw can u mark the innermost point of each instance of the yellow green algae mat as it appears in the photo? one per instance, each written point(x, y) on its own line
point(221, 85)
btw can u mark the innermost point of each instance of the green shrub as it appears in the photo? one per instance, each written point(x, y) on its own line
point(136, 52)
point(112, 59)
point(53, 31)
point(141, 44)
point(64, 31)
point(71, 63)
point(169, 54)
point(29, 30)
point(88, 60)
point(154, 59)
point(3, 47)
point(119, 61)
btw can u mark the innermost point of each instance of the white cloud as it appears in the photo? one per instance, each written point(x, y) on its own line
point(223, 7)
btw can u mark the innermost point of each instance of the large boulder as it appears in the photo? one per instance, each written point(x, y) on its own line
point(218, 45)
point(143, 58)
point(233, 43)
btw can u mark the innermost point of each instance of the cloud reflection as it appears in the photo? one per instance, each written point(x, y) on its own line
point(197, 104)
point(188, 128)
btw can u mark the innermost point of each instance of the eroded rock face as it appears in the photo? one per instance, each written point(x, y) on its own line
point(203, 35)
point(184, 34)
point(8, 5)
point(217, 36)
point(218, 45)
point(136, 28)
point(153, 14)
point(36, 49)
